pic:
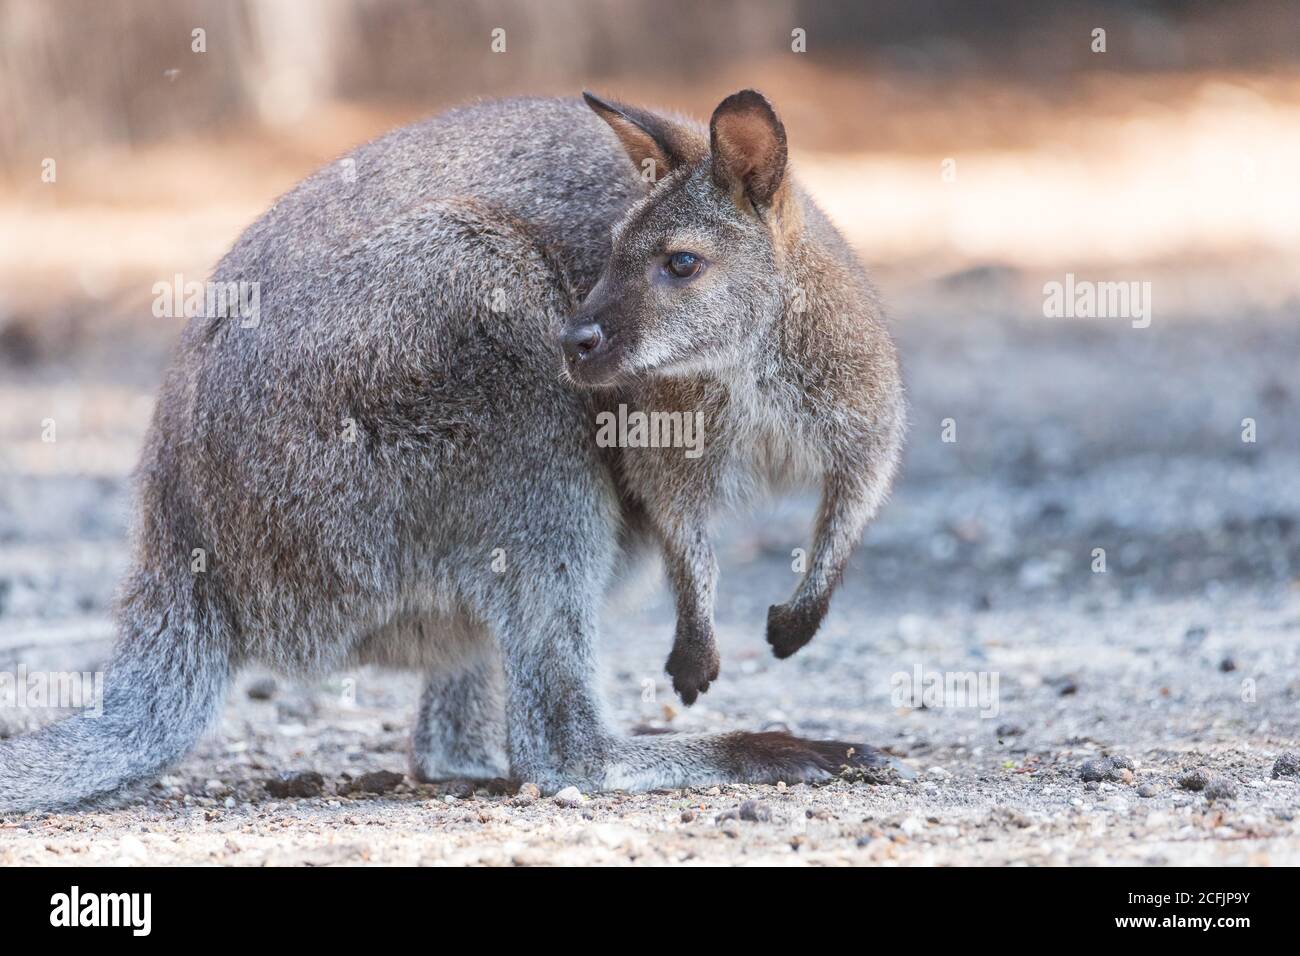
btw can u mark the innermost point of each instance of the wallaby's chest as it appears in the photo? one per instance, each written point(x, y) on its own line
point(778, 446)
point(743, 443)
point(766, 443)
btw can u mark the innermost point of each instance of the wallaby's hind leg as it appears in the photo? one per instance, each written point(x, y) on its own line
point(556, 728)
point(460, 731)
point(558, 736)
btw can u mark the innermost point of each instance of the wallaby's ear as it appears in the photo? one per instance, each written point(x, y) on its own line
point(748, 144)
point(646, 136)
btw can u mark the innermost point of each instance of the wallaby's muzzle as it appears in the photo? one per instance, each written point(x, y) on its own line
point(588, 355)
point(593, 352)
point(583, 341)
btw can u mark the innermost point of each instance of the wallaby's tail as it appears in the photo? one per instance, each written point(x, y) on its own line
point(163, 688)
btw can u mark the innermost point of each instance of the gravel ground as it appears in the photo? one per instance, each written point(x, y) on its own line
point(1111, 687)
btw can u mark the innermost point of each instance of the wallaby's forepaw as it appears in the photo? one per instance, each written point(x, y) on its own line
point(693, 666)
point(790, 628)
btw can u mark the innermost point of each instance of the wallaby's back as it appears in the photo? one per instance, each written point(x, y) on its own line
point(549, 165)
point(410, 291)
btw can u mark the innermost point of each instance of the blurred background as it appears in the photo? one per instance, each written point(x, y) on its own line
point(1176, 147)
point(972, 152)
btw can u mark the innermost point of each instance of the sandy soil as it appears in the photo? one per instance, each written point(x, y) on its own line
point(1072, 435)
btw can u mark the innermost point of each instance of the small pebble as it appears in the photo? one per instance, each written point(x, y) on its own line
point(1227, 665)
point(1148, 790)
point(755, 811)
point(378, 781)
point(1220, 788)
point(262, 689)
point(1096, 770)
point(461, 789)
point(688, 816)
point(911, 826)
point(570, 797)
point(527, 793)
point(296, 783)
point(1287, 765)
point(1195, 780)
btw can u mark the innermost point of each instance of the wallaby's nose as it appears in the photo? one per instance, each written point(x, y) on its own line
point(582, 340)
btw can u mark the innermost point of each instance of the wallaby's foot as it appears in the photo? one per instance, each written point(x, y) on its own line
point(770, 756)
point(693, 666)
point(703, 760)
point(791, 627)
point(639, 763)
point(443, 764)
point(429, 768)
point(460, 732)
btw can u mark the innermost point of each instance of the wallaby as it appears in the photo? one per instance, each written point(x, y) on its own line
point(397, 462)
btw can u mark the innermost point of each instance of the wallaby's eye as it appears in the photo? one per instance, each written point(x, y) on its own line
point(684, 264)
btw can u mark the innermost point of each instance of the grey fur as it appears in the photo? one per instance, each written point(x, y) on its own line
point(473, 527)
point(460, 731)
point(780, 342)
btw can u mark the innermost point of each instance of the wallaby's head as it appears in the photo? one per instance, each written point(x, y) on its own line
point(694, 277)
